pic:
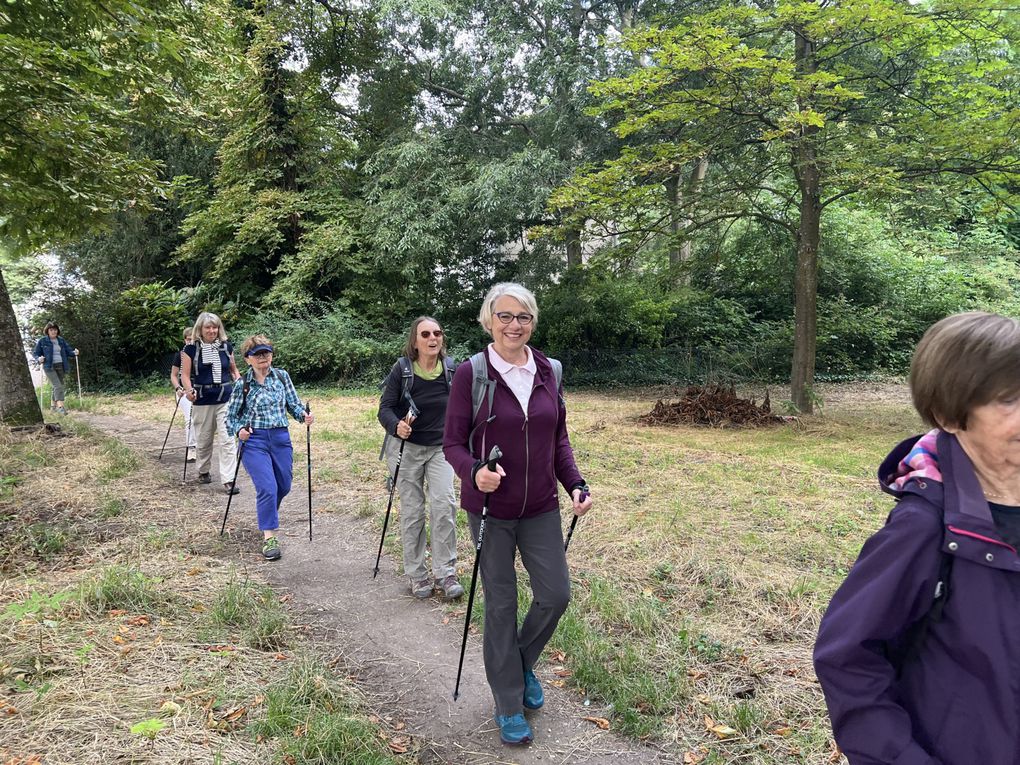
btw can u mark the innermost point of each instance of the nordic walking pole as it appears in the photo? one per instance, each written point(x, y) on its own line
point(184, 477)
point(411, 416)
point(237, 466)
point(77, 371)
point(494, 455)
point(169, 427)
point(573, 523)
point(308, 450)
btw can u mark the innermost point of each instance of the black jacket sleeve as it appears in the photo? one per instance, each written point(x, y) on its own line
point(391, 407)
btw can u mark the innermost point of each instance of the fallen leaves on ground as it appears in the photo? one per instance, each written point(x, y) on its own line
point(602, 722)
point(399, 744)
point(721, 730)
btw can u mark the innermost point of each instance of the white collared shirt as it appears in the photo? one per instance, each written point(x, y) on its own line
point(520, 379)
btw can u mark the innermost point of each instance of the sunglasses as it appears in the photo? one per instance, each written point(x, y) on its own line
point(427, 333)
point(262, 354)
point(505, 317)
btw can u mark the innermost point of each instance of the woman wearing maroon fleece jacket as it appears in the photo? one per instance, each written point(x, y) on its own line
point(527, 421)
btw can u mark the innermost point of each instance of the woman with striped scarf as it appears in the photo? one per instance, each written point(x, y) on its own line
point(208, 373)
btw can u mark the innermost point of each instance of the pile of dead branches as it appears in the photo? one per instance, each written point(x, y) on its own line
point(713, 405)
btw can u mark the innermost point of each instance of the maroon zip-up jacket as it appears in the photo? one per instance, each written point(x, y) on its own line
point(536, 448)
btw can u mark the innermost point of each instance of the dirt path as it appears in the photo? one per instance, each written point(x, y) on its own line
point(402, 655)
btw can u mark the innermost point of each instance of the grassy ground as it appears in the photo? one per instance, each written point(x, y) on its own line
point(701, 573)
point(125, 637)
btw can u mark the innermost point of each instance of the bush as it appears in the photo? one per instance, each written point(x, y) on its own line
point(148, 319)
point(594, 308)
point(335, 347)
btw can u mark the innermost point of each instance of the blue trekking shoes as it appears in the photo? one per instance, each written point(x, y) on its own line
point(533, 696)
point(514, 729)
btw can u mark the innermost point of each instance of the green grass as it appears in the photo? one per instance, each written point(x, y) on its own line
point(119, 461)
point(315, 721)
point(121, 587)
point(255, 609)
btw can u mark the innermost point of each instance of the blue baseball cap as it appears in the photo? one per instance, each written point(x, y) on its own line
point(256, 349)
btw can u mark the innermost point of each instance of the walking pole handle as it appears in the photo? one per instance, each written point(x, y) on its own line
point(494, 455)
point(585, 493)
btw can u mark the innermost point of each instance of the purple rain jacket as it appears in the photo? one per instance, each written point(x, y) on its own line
point(535, 446)
point(957, 702)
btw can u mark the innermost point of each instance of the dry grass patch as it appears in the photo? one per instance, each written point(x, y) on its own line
point(130, 641)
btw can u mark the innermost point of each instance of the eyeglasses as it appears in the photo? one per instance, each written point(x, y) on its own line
point(426, 333)
point(505, 317)
point(262, 354)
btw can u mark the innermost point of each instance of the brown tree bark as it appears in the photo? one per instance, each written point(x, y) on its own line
point(573, 247)
point(805, 285)
point(18, 404)
point(680, 252)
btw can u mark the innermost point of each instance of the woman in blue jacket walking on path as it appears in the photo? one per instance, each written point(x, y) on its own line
point(527, 419)
point(54, 353)
point(918, 653)
point(257, 414)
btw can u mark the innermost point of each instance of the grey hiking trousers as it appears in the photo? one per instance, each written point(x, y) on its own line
point(425, 468)
point(508, 650)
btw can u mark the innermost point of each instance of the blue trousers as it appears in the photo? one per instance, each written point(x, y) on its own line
point(269, 459)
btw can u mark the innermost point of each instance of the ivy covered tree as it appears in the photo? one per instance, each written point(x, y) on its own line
point(795, 105)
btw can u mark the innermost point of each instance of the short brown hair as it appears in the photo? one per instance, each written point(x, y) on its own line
point(251, 341)
point(964, 361)
point(50, 325)
point(411, 350)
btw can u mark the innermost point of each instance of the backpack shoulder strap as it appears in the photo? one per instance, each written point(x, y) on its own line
point(557, 368)
point(406, 375)
point(245, 389)
point(481, 386)
point(449, 366)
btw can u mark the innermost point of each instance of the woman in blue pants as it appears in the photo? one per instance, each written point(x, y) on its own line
point(257, 414)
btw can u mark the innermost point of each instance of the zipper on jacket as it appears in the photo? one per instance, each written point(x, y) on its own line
point(527, 462)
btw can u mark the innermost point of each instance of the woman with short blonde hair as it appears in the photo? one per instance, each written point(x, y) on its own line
point(208, 373)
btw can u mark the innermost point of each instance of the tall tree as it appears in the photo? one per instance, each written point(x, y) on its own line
point(800, 104)
point(76, 75)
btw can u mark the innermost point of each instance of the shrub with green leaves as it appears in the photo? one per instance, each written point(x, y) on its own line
point(148, 319)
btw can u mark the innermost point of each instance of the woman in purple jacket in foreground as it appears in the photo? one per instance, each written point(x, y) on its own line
point(528, 422)
point(919, 651)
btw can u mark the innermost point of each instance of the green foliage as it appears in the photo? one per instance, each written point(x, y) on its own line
point(148, 325)
point(76, 76)
point(593, 308)
point(335, 346)
point(148, 728)
point(35, 605)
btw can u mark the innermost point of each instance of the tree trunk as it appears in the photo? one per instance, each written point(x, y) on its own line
point(18, 404)
point(680, 219)
point(672, 186)
point(805, 285)
point(573, 247)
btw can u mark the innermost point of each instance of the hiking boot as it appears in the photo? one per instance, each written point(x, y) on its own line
point(450, 586)
point(533, 696)
point(422, 589)
point(229, 488)
point(514, 729)
point(61, 410)
point(271, 549)
point(204, 478)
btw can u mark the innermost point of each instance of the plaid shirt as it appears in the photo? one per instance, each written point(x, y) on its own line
point(267, 404)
